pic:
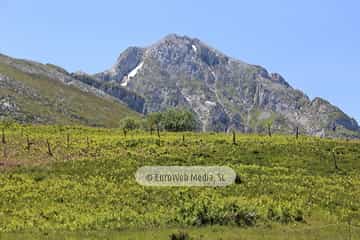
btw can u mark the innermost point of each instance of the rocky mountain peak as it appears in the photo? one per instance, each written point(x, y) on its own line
point(276, 77)
point(223, 92)
point(127, 61)
point(173, 37)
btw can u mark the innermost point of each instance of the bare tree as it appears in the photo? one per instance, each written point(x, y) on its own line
point(6, 123)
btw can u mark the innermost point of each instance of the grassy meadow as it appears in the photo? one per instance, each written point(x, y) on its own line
point(69, 182)
point(41, 99)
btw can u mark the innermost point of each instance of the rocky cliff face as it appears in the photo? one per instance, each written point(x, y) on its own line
point(114, 89)
point(225, 93)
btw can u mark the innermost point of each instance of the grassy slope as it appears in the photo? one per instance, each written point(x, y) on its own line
point(288, 185)
point(62, 104)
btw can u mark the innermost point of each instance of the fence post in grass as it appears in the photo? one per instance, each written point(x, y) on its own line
point(5, 151)
point(28, 143)
point(158, 131)
point(6, 124)
point(269, 129)
point(234, 137)
point(158, 141)
point(297, 132)
point(87, 143)
point(125, 132)
point(349, 228)
point(183, 138)
point(335, 159)
point(68, 140)
point(49, 148)
point(3, 139)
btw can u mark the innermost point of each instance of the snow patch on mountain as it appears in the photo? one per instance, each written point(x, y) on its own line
point(194, 48)
point(210, 103)
point(135, 70)
point(212, 72)
point(131, 74)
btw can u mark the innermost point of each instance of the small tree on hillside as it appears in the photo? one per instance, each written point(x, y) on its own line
point(129, 124)
point(269, 124)
point(178, 120)
point(153, 121)
point(6, 123)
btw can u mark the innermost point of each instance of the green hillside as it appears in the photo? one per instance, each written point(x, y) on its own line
point(82, 179)
point(32, 93)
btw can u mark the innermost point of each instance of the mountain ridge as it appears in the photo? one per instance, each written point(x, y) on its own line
point(225, 93)
point(179, 71)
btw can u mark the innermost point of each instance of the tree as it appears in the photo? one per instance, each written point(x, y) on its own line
point(337, 153)
point(269, 123)
point(178, 120)
point(129, 124)
point(153, 121)
point(6, 123)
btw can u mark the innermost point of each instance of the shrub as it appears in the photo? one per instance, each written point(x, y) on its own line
point(153, 121)
point(129, 124)
point(178, 120)
point(179, 236)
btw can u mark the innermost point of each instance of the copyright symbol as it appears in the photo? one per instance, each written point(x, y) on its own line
point(149, 178)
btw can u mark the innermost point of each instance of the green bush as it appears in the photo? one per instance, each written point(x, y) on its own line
point(178, 120)
point(179, 236)
point(130, 124)
point(153, 121)
point(173, 120)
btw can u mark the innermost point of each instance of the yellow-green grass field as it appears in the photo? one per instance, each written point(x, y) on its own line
point(73, 182)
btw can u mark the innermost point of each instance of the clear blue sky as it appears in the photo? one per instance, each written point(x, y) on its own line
point(313, 44)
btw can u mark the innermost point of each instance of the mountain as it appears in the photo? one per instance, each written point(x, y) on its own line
point(223, 92)
point(32, 92)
